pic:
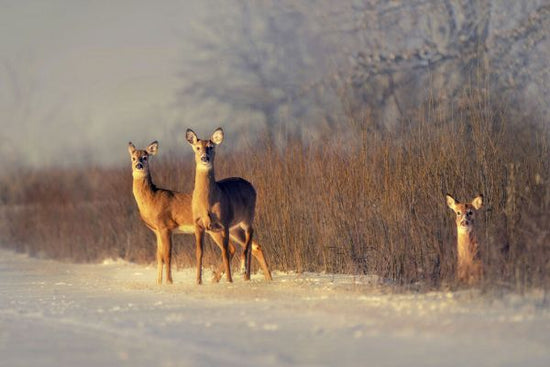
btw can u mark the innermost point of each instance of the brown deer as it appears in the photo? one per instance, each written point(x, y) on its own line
point(163, 211)
point(223, 207)
point(469, 268)
point(168, 212)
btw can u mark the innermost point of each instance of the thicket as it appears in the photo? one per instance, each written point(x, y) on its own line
point(359, 200)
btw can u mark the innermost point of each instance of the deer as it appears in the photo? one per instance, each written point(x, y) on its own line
point(167, 212)
point(469, 267)
point(163, 211)
point(223, 207)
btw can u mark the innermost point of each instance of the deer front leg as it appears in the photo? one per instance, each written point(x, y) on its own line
point(159, 258)
point(218, 273)
point(165, 237)
point(199, 239)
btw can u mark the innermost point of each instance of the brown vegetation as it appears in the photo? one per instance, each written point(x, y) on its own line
point(369, 203)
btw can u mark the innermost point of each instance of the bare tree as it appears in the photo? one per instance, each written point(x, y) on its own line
point(258, 58)
point(407, 50)
point(277, 60)
point(19, 95)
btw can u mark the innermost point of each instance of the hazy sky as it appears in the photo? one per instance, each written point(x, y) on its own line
point(84, 77)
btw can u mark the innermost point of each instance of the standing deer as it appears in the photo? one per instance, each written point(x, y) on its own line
point(223, 207)
point(168, 212)
point(469, 268)
point(163, 211)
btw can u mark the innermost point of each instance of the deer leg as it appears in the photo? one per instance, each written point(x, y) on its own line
point(166, 253)
point(159, 258)
point(199, 239)
point(225, 254)
point(259, 255)
point(247, 250)
point(238, 235)
point(217, 237)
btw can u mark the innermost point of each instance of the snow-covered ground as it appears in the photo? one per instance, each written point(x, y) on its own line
point(57, 314)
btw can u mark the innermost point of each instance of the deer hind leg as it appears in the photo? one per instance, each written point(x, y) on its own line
point(259, 255)
point(247, 251)
point(238, 235)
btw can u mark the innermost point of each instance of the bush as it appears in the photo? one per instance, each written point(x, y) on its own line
point(361, 200)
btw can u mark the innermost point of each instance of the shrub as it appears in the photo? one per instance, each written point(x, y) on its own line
point(360, 200)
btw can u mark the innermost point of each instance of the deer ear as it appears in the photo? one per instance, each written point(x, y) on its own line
point(217, 136)
point(477, 203)
point(191, 136)
point(451, 202)
point(152, 148)
point(131, 148)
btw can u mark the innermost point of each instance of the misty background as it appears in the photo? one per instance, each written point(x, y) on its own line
point(79, 79)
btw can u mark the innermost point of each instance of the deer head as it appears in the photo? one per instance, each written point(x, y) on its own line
point(140, 158)
point(465, 212)
point(204, 149)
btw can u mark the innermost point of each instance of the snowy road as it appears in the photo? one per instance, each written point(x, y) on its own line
point(56, 314)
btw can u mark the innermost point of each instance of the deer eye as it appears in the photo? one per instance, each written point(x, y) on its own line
point(134, 159)
point(457, 213)
point(144, 158)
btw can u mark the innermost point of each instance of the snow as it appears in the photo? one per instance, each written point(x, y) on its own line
point(113, 314)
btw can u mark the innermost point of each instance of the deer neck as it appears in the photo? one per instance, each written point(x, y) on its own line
point(466, 242)
point(143, 188)
point(205, 185)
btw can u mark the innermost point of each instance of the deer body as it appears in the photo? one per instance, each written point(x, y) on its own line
point(469, 267)
point(223, 207)
point(221, 202)
point(159, 208)
point(163, 211)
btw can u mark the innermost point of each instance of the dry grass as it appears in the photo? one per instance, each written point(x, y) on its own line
point(370, 203)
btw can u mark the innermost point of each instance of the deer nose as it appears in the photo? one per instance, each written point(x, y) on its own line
point(204, 158)
point(139, 166)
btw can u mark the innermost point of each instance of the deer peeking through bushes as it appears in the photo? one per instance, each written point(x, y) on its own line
point(469, 267)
